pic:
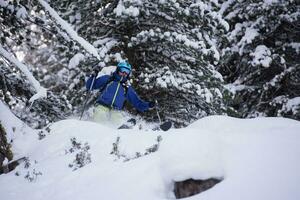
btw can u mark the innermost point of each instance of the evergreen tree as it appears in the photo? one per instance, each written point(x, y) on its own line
point(23, 33)
point(173, 46)
point(261, 60)
point(67, 63)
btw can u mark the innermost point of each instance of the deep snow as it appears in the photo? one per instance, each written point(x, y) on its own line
point(258, 159)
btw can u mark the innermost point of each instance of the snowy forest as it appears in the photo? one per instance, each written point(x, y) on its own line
point(196, 58)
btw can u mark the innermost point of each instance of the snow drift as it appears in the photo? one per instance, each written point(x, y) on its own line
point(257, 159)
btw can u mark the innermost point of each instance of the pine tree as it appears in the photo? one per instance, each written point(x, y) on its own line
point(67, 63)
point(20, 37)
point(173, 46)
point(262, 57)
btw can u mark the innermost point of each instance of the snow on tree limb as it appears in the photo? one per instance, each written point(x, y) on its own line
point(67, 27)
point(41, 91)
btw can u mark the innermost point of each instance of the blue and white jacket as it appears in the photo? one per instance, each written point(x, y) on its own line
point(114, 95)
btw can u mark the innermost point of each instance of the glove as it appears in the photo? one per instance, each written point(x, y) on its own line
point(152, 104)
point(95, 72)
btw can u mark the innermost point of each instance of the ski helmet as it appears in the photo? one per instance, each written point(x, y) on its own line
point(124, 66)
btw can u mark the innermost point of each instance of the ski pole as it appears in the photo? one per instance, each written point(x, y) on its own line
point(87, 96)
point(89, 92)
point(156, 108)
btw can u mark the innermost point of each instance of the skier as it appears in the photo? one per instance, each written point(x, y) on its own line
point(115, 89)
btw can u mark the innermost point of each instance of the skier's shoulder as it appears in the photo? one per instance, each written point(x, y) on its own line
point(130, 89)
point(104, 78)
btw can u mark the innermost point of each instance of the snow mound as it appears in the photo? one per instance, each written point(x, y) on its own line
point(257, 158)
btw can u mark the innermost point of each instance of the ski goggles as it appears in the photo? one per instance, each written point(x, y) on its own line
point(125, 70)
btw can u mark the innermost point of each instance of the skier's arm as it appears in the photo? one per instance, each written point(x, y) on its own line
point(133, 98)
point(98, 83)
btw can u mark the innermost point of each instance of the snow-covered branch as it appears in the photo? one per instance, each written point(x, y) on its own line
point(67, 27)
point(41, 91)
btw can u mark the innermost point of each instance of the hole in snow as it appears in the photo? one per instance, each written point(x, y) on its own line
point(192, 187)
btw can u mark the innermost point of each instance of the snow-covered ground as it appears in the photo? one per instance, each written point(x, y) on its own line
point(257, 158)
